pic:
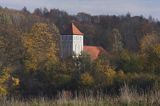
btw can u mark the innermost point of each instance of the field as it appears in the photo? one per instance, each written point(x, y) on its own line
point(126, 98)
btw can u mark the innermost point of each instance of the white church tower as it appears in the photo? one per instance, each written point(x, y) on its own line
point(71, 42)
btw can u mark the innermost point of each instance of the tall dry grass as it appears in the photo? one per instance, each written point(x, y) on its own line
point(128, 97)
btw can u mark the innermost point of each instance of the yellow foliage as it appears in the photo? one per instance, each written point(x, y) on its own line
point(3, 91)
point(156, 50)
point(5, 74)
point(40, 46)
point(87, 79)
point(15, 81)
point(110, 73)
point(148, 41)
point(105, 70)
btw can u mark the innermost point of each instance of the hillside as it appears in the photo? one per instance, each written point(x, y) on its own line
point(30, 64)
point(98, 30)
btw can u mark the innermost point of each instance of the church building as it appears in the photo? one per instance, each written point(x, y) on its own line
point(71, 43)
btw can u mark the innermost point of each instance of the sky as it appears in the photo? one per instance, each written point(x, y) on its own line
point(94, 7)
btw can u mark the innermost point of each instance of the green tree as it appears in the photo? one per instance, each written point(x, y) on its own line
point(128, 62)
point(117, 41)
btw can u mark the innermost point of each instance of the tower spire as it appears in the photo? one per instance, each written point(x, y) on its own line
point(75, 30)
point(72, 30)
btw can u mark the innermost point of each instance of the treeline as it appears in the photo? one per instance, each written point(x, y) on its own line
point(29, 53)
point(99, 30)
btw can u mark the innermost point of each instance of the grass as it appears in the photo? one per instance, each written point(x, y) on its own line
point(128, 97)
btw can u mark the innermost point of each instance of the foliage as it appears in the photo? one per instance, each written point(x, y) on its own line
point(117, 41)
point(153, 59)
point(40, 45)
point(129, 62)
point(148, 41)
point(87, 79)
point(11, 49)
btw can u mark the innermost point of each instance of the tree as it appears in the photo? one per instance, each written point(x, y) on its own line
point(45, 12)
point(87, 80)
point(11, 56)
point(4, 76)
point(117, 41)
point(85, 63)
point(148, 41)
point(40, 45)
point(11, 49)
point(25, 10)
point(8, 83)
point(40, 61)
point(128, 61)
point(152, 59)
point(38, 11)
point(150, 49)
point(104, 73)
point(83, 17)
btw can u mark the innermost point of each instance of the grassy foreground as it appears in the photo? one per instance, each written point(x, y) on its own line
point(127, 98)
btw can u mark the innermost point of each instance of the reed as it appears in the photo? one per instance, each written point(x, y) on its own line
point(127, 97)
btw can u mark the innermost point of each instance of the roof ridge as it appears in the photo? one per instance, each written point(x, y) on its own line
point(75, 30)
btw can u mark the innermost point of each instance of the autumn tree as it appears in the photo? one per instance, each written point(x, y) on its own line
point(11, 57)
point(40, 60)
point(152, 59)
point(150, 52)
point(148, 41)
point(104, 73)
point(40, 45)
point(87, 80)
point(11, 49)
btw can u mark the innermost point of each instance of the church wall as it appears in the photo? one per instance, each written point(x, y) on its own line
point(77, 44)
point(66, 46)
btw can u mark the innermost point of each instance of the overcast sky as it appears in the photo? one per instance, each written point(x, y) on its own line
point(94, 7)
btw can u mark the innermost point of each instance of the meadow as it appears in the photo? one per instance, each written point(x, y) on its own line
point(127, 97)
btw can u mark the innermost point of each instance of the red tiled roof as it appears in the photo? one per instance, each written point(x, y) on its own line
point(93, 51)
point(72, 30)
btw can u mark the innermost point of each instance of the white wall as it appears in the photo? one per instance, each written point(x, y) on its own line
point(70, 44)
point(77, 44)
